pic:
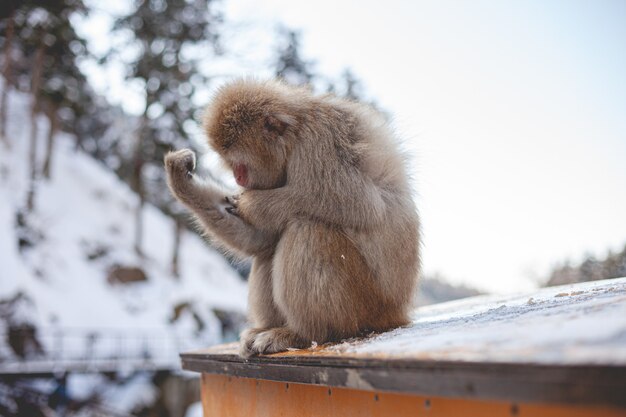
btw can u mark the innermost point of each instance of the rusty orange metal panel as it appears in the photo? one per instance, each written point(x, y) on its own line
point(226, 396)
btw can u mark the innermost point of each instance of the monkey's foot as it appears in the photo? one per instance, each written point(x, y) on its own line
point(246, 339)
point(278, 339)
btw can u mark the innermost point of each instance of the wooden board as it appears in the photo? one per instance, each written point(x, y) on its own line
point(559, 345)
point(241, 397)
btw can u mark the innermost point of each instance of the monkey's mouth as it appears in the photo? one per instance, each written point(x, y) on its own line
point(240, 171)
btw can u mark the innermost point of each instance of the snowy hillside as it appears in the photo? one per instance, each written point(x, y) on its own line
point(55, 262)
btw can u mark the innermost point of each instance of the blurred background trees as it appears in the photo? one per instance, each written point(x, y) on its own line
point(40, 53)
point(169, 42)
point(590, 269)
point(291, 66)
point(170, 38)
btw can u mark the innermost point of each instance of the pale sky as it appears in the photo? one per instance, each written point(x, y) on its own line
point(514, 112)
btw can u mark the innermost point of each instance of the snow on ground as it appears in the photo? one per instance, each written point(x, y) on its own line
point(579, 323)
point(86, 211)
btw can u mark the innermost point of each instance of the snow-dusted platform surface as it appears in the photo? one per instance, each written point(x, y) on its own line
point(582, 323)
point(557, 345)
point(573, 324)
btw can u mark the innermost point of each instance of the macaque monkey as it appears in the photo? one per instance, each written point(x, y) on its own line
point(326, 213)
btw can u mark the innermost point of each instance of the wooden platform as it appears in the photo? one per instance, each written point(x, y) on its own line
point(558, 351)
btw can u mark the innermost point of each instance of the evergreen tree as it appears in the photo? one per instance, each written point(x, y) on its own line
point(290, 66)
point(49, 47)
point(352, 87)
point(7, 36)
point(170, 37)
point(348, 86)
point(590, 269)
point(64, 88)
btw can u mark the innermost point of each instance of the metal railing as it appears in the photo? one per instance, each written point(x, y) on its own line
point(58, 350)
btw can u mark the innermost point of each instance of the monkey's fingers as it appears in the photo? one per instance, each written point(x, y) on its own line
point(233, 211)
point(181, 162)
point(190, 164)
point(233, 200)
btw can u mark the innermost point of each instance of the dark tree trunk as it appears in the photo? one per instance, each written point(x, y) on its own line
point(139, 226)
point(6, 73)
point(178, 234)
point(32, 155)
point(137, 185)
point(54, 127)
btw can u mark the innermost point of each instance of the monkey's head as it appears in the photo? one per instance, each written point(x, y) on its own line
point(252, 124)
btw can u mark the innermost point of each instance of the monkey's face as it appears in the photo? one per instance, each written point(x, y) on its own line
point(255, 149)
point(257, 157)
point(251, 129)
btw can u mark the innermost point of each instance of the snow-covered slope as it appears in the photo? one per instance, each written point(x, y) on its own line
point(81, 227)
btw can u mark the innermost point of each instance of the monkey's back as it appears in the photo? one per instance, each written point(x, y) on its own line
point(391, 248)
point(386, 253)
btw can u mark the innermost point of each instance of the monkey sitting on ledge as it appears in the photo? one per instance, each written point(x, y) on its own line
point(326, 213)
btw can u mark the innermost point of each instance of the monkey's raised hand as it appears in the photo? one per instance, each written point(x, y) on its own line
point(211, 207)
point(189, 189)
point(179, 166)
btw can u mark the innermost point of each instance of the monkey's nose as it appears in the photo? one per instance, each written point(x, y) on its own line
point(240, 171)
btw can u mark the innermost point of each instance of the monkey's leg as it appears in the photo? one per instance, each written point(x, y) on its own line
point(209, 205)
point(325, 290)
point(263, 312)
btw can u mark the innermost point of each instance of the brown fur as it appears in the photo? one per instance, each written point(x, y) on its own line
point(326, 213)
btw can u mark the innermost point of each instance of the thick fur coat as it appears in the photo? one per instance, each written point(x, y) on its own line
point(326, 213)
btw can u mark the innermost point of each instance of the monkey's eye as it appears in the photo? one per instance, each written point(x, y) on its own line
point(274, 125)
point(228, 142)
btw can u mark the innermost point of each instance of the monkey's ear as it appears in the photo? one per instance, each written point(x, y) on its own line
point(278, 123)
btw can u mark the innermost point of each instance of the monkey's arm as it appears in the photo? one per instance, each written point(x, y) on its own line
point(348, 199)
point(208, 204)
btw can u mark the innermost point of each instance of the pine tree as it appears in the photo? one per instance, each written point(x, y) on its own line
point(590, 269)
point(294, 69)
point(7, 29)
point(353, 89)
point(170, 36)
point(47, 43)
point(64, 87)
point(290, 65)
